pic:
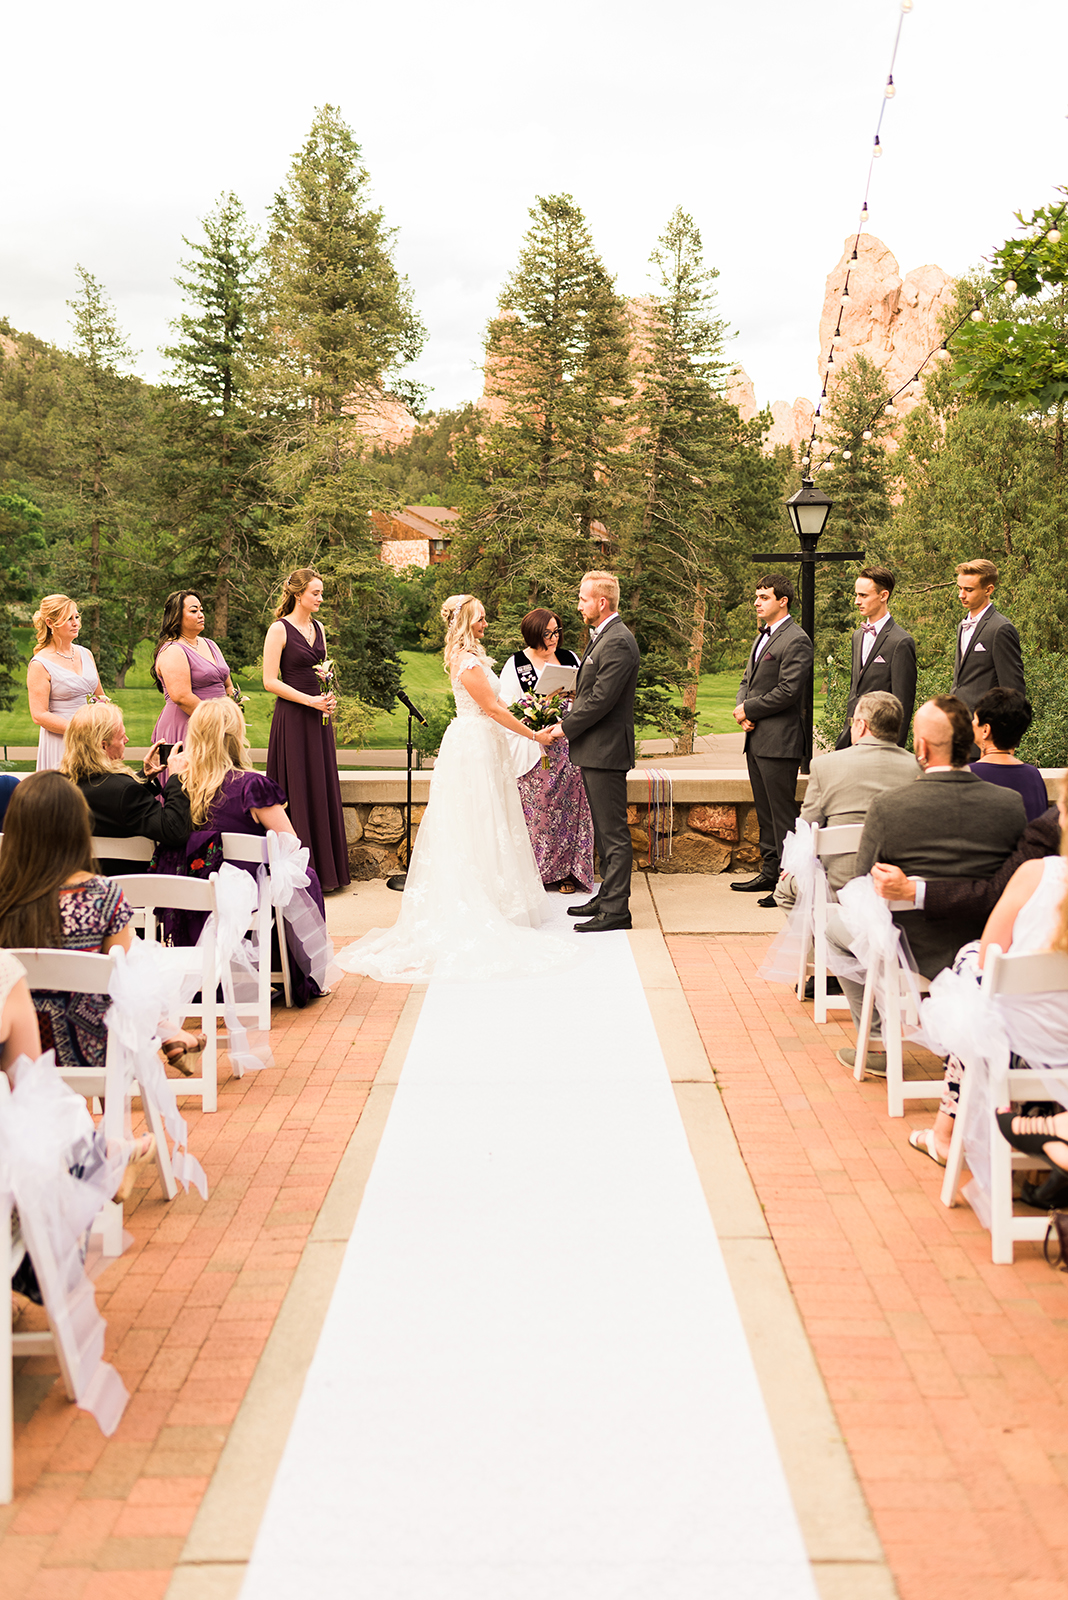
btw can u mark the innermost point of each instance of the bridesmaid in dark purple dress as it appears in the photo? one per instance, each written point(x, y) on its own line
point(301, 753)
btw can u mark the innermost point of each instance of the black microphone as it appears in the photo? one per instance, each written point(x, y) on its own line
point(407, 704)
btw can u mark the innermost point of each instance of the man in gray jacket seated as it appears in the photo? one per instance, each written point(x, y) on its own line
point(843, 783)
point(948, 824)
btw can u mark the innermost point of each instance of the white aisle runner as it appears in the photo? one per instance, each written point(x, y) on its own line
point(532, 1382)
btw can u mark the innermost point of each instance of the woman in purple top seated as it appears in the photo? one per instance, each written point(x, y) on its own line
point(1000, 719)
point(188, 668)
point(227, 796)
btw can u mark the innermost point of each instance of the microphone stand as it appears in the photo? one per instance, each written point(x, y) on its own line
point(399, 879)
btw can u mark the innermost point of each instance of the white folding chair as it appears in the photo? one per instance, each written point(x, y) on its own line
point(1010, 976)
point(83, 972)
point(826, 842)
point(901, 988)
point(152, 892)
point(56, 1339)
point(250, 848)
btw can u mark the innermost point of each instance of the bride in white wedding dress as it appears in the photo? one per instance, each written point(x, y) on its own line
point(473, 893)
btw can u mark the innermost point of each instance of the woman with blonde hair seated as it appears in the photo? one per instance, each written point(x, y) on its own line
point(225, 795)
point(122, 805)
point(61, 676)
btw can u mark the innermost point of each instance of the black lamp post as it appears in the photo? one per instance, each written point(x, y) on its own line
point(809, 510)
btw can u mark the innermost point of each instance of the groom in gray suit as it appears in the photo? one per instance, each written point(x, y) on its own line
point(600, 734)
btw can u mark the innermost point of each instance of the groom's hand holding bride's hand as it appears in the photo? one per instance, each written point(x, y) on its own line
point(554, 733)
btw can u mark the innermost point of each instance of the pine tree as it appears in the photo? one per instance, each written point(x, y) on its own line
point(546, 490)
point(214, 438)
point(340, 327)
point(705, 485)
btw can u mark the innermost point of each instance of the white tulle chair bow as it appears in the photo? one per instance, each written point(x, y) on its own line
point(791, 945)
point(313, 947)
point(43, 1125)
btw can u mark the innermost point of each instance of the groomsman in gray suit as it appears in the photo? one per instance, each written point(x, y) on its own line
point(884, 655)
point(988, 646)
point(600, 735)
point(769, 709)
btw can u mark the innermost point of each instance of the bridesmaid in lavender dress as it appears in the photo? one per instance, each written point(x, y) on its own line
point(61, 676)
point(187, 668)
point(301, 752)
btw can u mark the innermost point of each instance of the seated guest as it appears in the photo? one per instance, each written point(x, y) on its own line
point(122, 805)
point(19, 1033)
point(226, 796)
point(948, 822)
point(1000, 720)
point(843, 783)
point(1031, 915)
point(9, 782)
point(947, 899)
point(51, 899)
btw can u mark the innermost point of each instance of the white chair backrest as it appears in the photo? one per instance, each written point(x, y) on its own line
point(1039, 973)
point(133, 848)
point(151, 890)
point(78, 971)
point(244, 847)
point(842, 840)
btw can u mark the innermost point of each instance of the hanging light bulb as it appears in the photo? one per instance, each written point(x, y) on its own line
point(1054, 236)
point(846, 296)
point(906, 5)
point(847, 455)
point(890, 91)
point(890, 410)
point(876, 148)
point(854, 261)
point(830, 358)
point(836, 337)
point(977, 315)
point(805, 460)
point(864, 214)
point(1010, 285)
point(823, 392)
point(866, 435)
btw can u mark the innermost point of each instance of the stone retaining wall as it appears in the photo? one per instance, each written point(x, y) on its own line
point(714, 827)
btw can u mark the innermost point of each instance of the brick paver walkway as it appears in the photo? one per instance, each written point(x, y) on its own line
point(949, 1375)
point(189, 1308)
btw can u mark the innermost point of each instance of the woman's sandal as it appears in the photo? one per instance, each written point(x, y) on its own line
point(569, 886)
point(923, 1139)
point(140, 1151)
point(175, 1052)
point(1032, 1135)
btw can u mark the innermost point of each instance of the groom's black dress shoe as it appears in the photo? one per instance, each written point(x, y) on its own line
point(588, 910)
point(759, 885)
point(767, 901)
point(605, 924)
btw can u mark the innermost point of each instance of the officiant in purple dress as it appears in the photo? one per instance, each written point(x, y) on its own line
point(301, 752)
point(187, 668)
point(554, 798)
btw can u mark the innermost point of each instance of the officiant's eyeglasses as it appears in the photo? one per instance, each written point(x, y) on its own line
point(552, 633)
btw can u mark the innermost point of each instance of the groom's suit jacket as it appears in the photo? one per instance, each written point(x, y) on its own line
point(600, 724)
point(891, 665)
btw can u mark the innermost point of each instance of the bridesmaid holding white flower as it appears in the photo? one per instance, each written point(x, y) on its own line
point(301, 753)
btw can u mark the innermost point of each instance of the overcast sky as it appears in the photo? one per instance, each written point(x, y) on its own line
point(122, 123)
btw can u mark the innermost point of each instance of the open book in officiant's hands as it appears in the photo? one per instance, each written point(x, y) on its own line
point(553, 678)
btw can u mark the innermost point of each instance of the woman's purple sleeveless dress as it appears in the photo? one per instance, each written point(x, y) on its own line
point(207, 681)
point(302, 757)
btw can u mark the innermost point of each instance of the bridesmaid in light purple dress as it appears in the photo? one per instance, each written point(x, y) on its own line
point(61, 677)
point(188, 668)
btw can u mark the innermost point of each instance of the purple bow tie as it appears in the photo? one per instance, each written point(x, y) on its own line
point(869, 627)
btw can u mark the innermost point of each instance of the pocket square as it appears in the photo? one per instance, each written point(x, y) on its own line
point(882, 659)
point(981, 647)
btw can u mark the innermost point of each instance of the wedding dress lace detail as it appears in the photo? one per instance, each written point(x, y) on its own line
point(473, 895)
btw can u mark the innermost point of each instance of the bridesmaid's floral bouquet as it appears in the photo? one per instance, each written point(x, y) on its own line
point(326, 672)
point(538, 711)
point(241, 700)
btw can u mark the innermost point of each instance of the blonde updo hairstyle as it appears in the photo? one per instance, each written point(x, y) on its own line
point(215, 744)
point(88, 731)
point(293, 588)
point(54, 608)
point(459, 614)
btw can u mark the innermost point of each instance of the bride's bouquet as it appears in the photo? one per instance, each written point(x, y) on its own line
point(538, 711)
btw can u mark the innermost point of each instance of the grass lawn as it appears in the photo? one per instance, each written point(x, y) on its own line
point(423, 678)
